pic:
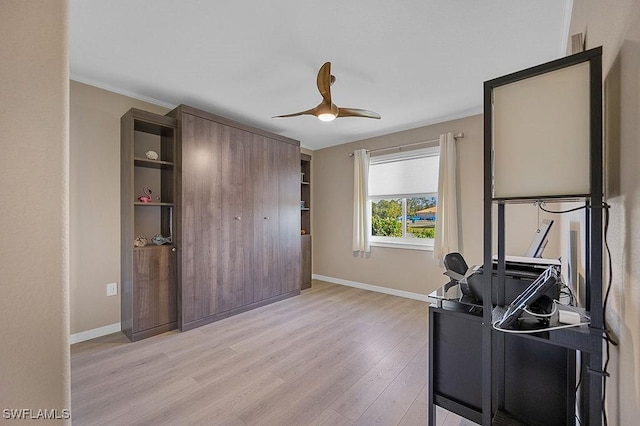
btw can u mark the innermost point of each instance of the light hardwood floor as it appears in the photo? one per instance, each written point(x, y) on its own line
point(334, 355)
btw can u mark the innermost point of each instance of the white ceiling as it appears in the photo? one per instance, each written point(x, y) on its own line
point(415, 62)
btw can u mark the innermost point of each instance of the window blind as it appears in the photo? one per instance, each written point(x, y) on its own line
point(404, 174)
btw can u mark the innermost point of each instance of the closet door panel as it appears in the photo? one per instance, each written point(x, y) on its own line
point(201, 216)
point(289, 216)
point(271, 267)
point(255, 174)
point(237, 220)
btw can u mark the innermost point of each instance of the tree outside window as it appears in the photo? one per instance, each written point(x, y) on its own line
point(404, 217)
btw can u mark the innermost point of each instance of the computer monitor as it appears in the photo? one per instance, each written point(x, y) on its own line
point(540, 239)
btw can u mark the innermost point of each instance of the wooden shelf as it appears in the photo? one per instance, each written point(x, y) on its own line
point(138, 203)
point(304, 183)
point(152, 164)
point(151, 245)
point(305, 209)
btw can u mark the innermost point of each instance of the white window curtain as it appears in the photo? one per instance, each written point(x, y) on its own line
point(446, 240)
point(361, 224)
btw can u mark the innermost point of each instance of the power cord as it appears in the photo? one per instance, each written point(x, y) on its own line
point(540, 203)
point(537, 330)
point(569, 292)
point(534, 314)
point(575, 391)
point(607, 335)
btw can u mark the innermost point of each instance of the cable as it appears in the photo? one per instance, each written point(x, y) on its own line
point(607, 336)
point(569, 293)
point(604, 382)
point(537, 330)
point(610, 277)
point(553, 312)
point(575, 209)
point(576, 390)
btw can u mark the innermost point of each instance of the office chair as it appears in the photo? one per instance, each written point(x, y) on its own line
point(456, 269)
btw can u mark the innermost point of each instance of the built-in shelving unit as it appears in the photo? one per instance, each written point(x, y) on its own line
point(305, 219)
point(149, 280)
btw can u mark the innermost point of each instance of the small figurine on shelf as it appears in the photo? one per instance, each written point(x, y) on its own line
point(151, 155)
point(146, 198)
point(140, 241)
point(160, 240)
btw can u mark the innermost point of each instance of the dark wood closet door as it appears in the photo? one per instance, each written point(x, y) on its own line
point(289, 216)
point(277, 192)
point(238, 217)
point(271, 278)
point(154, 301)
point(240, 247)
point(201, 216)
point(255, 174)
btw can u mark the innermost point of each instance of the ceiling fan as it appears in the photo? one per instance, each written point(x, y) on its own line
point(327, 110)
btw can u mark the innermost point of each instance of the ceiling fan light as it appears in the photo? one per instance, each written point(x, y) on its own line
point(326, 116)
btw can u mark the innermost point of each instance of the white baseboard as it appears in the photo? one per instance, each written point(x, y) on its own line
point(92, 334)
point(378, 289)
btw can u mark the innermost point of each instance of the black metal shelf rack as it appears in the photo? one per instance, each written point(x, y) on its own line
point(586, 339)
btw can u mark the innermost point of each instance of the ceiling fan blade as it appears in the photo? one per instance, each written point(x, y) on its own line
point(324, 81)
point(355, 112)
point(311, 111)
point(327, 110)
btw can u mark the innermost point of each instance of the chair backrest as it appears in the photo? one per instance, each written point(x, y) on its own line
point(456, 263)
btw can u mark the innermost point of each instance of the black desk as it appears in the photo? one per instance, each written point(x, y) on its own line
point(539, 378)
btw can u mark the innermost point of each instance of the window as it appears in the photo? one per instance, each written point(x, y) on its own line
point(403, 191)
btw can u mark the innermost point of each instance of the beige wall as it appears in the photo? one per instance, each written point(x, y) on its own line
point(34, 356)
point(617, 28)
point(95, 202)
point(408, 270)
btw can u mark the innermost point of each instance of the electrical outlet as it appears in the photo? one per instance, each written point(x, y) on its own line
point(112, 289)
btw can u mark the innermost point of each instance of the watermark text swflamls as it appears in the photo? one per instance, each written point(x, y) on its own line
point(39, 414)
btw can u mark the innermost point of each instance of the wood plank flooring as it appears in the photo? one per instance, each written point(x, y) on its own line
point(334, 356)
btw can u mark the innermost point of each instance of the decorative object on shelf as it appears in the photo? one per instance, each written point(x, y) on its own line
point(151, 155)
point(301, 177)
point(303, 232)
point(302, 204)
point(140, 241)
point(146, 198)
point(160, 240)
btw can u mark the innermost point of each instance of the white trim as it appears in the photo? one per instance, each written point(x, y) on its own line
point(92, 334)
point(377, 289)
point(120, 91)
point(403, 244)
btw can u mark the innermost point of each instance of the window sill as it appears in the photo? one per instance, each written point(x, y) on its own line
point(402, 245)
